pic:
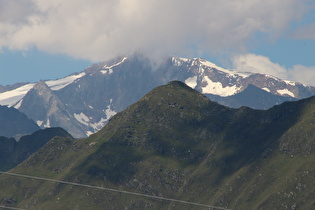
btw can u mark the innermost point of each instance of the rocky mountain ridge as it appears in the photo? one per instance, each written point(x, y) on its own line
point(87, 100)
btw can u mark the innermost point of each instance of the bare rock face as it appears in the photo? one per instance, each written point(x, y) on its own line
point(43, 106)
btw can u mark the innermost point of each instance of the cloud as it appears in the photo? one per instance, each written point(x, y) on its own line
point(305, 32)
point(15, 12)
point(261, 64)
point(304, 74)
point(100, 29)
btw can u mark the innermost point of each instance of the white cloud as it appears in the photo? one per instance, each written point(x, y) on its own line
point(261, 64)
point(15, 12)
point(304, 74)
point(258, 64)
point(100, 29)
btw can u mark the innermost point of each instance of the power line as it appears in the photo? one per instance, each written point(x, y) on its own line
point(8, 207)
point(113, 190)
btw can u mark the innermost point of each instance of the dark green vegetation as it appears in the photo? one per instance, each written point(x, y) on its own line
point(176, 143)
point(12, 152)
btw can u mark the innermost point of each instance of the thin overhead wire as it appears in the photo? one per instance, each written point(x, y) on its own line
point(113, 190)
point(9, 207)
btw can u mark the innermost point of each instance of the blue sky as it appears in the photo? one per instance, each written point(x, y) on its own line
point(44, 39)
point(34, 65)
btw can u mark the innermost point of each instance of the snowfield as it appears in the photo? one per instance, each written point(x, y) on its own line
point(12, 97)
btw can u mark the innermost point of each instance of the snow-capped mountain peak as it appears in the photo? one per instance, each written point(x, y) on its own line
point(205, 64)
point(85, 101)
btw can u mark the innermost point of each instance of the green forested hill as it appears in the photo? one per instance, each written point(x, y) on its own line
point(175, 143)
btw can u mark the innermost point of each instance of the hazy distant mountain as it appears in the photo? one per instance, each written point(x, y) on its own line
point(13, 122)
point(13, 152)
point(175, 143)
point(83, 103)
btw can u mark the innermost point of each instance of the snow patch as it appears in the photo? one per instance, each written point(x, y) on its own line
point(216, 88)
point(290, 82)
point(9, 98)
point(191, 81)
point(179, 61)
point(88, 133)
point(47, 125)
point(61, 83)
point(109, 112)
point(214, 66)
point(99, 125)
point(110, 67)
point(266, 89)
point(201, 70)
point(39, 122)
point(272, 77)
point(285, 92)
point(18, 105)
point(82, 118)
point(184, 59)
point(110, 71)
point(211, 65)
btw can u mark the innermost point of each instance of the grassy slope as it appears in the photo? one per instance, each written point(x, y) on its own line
point(176, 143)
